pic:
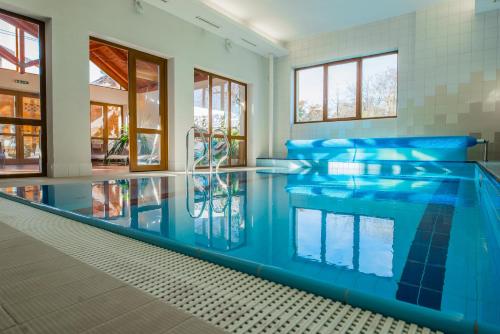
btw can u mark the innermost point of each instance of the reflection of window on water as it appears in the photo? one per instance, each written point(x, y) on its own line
point(109, 200)
point(31, 193)
point(354, 242)
point(221, 220)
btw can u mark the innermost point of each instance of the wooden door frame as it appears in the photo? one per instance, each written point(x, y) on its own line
point(133, 56)
point(42, 77)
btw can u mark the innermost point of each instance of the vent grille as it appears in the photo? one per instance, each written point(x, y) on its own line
point(208, 22)
point(248, 42)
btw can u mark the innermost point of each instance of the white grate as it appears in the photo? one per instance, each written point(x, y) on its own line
point(234, 301)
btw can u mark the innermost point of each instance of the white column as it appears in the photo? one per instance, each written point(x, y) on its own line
point(271, 106)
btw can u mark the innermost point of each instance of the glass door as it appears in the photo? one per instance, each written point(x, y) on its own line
point(148, 112)
point(22, 96)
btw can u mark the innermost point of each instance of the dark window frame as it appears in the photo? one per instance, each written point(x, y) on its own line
point(42, 122)
point(359, 83)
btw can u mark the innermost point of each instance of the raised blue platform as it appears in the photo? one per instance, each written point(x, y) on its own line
point(444, 148)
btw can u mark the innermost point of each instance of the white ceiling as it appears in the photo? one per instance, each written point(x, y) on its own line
point(286, 20)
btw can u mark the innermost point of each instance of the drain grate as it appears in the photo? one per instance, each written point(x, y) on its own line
point(231, 300)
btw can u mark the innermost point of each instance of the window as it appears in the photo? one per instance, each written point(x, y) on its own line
point(20, 43)
point(355, 242)
point(106, 127)
point(20, 129)
point(220, 104)
point(22, 113)
point(359, 88)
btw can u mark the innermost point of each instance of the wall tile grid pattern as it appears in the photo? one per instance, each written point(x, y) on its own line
point(449, 75)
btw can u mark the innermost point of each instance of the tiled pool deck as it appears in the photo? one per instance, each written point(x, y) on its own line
point(43, 290)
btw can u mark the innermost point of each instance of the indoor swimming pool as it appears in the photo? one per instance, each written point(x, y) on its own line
point(416, 241)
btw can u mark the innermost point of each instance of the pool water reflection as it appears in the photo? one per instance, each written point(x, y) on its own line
point(419, 240)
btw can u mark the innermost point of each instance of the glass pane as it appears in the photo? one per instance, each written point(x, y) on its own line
point(31, 107)
point(310, 94)
point(97, 147)
point(148, 149)
point(7, 105)
point(114, 121)
point(31, 142)
point(8, 41)
point(148, 95)
point(201, 99)
point(7, 143)
point(238, 152)
point(32, 52)
point(96, 121)
point(238, 109)
point(220, 104)
point(380, 86)
point(99, 78)
point(342, 80)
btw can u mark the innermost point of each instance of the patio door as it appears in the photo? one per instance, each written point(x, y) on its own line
point(148, 112)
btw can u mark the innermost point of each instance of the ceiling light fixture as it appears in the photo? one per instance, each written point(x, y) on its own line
point(208, 22)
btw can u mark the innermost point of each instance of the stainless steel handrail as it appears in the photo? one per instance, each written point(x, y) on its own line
point(210, 153)
point(485, 143)
point(205, 147)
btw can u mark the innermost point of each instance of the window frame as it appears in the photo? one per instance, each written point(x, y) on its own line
point(359, 92)
point(105, 129)
point(230, 137)
point(42, 122)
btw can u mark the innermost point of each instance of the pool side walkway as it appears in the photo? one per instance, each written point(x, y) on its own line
point(43, 290)
point(62, 276)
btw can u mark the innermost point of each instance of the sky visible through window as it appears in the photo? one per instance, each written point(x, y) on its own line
point(379, 89)
point(8, 41)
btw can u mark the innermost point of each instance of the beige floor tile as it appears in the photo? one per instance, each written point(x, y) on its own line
point(31, 270)
point(6, 320)
point(19, 291)
point(90, 313)
point(61, 297)
point(155, 317)
point(19, 240)
point(26, 254)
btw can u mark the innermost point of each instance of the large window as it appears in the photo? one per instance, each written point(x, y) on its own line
point(359, 88)
point(220, 104)
point(106, 127)
point(22, 116)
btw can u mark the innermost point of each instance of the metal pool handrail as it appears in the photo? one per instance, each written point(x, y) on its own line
point(194, 128)
point(210, 153)
point(485, 143)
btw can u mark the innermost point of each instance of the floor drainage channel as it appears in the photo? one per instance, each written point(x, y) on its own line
point(233, 301)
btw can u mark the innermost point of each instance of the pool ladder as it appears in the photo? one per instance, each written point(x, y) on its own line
point(207, 148)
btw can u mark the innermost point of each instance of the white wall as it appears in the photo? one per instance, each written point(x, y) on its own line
point(449, 75)
point(71, 22)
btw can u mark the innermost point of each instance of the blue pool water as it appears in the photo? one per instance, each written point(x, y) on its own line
point(420, 242)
